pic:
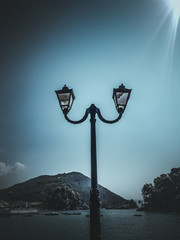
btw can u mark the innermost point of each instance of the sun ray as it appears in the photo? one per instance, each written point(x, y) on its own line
point(157, 31)
point(175, 6)
point(171, 18)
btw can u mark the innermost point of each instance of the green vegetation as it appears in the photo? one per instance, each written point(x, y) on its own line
point(165, 193)
point(63, 191)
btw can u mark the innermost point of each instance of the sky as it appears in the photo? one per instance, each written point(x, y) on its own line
point(92, 47)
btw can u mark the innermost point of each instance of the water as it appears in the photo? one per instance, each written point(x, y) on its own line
point(115, 225)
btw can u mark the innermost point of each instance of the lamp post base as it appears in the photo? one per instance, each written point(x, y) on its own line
point(95, 228)
point(94, 201)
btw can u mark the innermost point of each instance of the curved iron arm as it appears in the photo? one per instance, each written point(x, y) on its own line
point(81, 120)
point(111, 121)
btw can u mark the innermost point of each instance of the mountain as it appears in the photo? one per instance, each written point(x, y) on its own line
point(62, 191)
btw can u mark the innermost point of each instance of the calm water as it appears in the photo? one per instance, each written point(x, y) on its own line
point(115, 225)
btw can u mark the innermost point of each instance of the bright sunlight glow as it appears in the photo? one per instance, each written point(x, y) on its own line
point(172, 18)
point(175, 6)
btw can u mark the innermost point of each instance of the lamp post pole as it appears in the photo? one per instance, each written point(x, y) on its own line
point(66, 97)
point(95, 232)
point(94, 199)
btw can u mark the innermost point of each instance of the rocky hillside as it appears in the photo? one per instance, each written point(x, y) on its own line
point(62, 191)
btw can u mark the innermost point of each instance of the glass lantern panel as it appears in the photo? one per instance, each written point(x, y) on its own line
point(114, 97)
point(64, 98)
point(71, 101)
point(121, 98)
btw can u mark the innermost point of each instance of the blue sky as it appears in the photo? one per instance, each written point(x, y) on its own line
point(91, 47)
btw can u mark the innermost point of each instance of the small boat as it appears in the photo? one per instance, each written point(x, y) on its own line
point(23, 211)
point(52, 214)
point(137, 215)
point(69, 213)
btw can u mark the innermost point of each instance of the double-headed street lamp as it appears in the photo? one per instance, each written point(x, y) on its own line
point(66, 97)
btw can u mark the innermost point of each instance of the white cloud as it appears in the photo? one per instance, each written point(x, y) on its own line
point(19, 166)
point(7, 168)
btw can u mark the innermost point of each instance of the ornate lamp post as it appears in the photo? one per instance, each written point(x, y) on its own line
point(66, 97)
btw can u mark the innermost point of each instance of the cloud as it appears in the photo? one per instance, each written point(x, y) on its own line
point(19, 166)
point(7, 168)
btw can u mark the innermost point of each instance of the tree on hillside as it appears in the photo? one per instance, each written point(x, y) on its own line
point(165, 193)
point(147, 192)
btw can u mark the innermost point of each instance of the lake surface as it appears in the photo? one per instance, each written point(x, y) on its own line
point(115, 225)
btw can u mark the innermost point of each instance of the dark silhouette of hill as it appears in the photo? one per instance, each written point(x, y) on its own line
point(62, 191)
